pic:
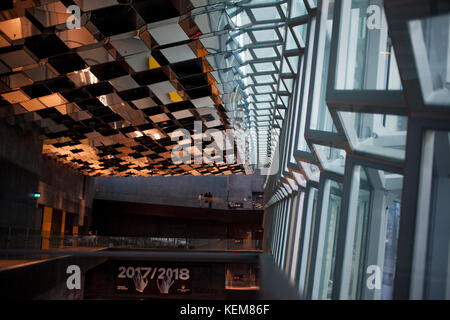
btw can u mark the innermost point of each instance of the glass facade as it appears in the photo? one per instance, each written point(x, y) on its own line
point(370, 138)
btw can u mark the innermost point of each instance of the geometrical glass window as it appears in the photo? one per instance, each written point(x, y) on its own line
point(366, 60)
point(328, 233)
point(312, 171)
point(432, 280)
point(373, 224)
point(320, 115)
point(379, 134)
point(308, 237)
point(332, 159)
point(430, 40)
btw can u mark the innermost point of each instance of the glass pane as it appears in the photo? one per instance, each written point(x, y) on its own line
point(265, 35)
point(290, 41)
point(264, 67)
point(266, 13)
point(264, 79)
point(331, 220)
point(380, 134)
point(359, 245)
point(294, 62)
point(320, 116)
point(366, 60)
point(268, 52)
point(312, 4)
point(298, 9)
point(308, 238)
point(374, 216)
point(430, 39)
point(307, 66)
point(300, 34)
point(312, 171)
point(332, 159)
point(433, 207)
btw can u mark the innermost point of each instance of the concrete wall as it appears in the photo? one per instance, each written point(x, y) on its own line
point(180, 190)
point(24, 171)
point(20, 156)
point(66, 189)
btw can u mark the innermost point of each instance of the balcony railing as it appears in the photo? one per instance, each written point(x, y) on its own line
point(33, 241)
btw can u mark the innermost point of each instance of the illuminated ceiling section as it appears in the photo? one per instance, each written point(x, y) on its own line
point(108, 94)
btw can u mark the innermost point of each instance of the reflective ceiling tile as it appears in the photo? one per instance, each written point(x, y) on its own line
point(67, 62)
point(159, 118)
point(3, 42)
point(111, 99)
point(4, 68)
point(18, 28)
point(17, 80)
point(40, 73)
point(62, 109)
point(17, 58)
point(144, 103)
point(82, 77)
point(110, 70)
point(51, 14)
point(138, 62)
point(206, 110)
point(33, 105)
point(46, 45)
point(161, 90)
point(130, 46)
point(88, 5)
point(178, 53)
point(155, 134)
point(15, 96)
point(182, 114)
point(95, 56)
point(136, 117)
point(168, 34)
point(52, 100)
point(57, 128)
point(203, 102)
point(116, 20)
point(123, 83)
point(75, 38)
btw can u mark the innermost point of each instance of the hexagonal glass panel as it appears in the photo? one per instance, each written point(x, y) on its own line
point(365, 56)
point(430, 39)
point(380, 134)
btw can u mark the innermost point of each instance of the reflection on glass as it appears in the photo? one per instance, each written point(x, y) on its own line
point(330, 239)
point(300, 34)
point(307, 66)
point(359, 244)
point(380, 134)
point(375, 217)
point(312, 171)
point(290, 41)
point(312, 4)
point(433, 207)
point(332, 159)
point(366, 59)
point(390, 250)
point(430, 38)
point(297, 9)
point(266, 13)
point(309, 234)
point(320, 116)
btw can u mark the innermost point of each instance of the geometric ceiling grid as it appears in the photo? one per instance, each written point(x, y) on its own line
point(107, 90)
